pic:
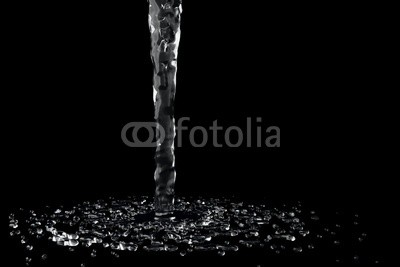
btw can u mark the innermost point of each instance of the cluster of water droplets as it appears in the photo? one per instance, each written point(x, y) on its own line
point(221, 226)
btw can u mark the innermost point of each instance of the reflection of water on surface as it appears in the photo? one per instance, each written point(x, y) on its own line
point(220, 226)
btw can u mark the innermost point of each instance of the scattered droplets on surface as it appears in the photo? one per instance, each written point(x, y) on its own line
point(28, 261)
point(115, 254)
point(362, 237)
point(128, 225)
point(298, 249)
point(216, 225)
point(182, 253)
point(221, 253)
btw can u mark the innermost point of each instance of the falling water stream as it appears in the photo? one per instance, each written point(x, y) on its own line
point(164, 22)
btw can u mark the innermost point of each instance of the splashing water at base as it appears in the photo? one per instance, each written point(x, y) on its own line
point(220, 226)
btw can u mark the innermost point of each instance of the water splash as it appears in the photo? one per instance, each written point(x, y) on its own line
point(220, 226)
point(164, 23)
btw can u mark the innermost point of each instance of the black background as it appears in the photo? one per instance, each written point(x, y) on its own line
point(78, 74)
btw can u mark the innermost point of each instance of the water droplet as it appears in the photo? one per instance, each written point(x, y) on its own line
point(72, 243)
point(14, 225)
point(298, 249)
point(221, 253)
point(44, 257)
point(362, 237)
point(254, 233)
point(290, 238)
point(72, 236)
point(304, 233)
point(171, 248)
point(234, 233)
point(118, 246)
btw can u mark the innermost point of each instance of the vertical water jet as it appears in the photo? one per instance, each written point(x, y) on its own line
point(164, 23)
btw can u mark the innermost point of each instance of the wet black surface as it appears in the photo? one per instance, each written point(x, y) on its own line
point(124, 231)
